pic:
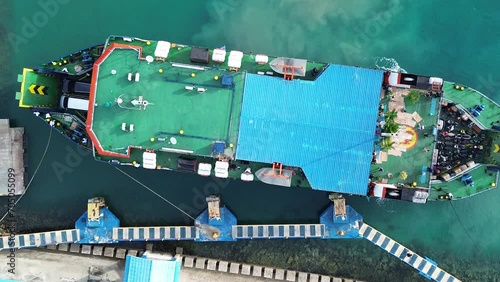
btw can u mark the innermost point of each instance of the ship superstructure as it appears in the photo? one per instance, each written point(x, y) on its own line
point(282, 121)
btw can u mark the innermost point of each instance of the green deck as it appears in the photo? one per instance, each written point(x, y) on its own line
point(202, 118)
point(168, 161)
point(180, 54)
point(413, 159)
point(72, 63)
point(483, 180)
point(469, 98)
point(52, 90)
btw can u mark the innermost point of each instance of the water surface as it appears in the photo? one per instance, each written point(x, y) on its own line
point(456, 40)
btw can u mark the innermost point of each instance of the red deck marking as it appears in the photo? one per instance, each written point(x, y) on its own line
point(93, 85)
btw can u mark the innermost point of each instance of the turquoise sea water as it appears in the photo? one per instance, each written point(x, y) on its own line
point(456, 40)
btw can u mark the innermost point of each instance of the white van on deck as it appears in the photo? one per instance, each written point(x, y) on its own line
point(67, 102)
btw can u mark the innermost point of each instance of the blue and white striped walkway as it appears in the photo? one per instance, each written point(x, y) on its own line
point(40, 239)
point(423, 265)
point(155, 233)
point(278, 231)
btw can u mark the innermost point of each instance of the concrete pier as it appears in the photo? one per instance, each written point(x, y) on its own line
point(234, 270)
point(12, 156)
point(217, 223)
point(81, 262)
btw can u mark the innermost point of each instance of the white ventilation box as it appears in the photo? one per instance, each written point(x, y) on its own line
point(162, 49)
point(261, 59)
point(204, 169)
point(221, 169)
point(247, 176)
point(149, 160)
point(219, 55)
point(234, 60)
point(436, 80)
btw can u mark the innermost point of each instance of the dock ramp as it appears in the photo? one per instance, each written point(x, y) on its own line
point(42, 239)
point(278, 231)
point(154, 233)
point(424, 265)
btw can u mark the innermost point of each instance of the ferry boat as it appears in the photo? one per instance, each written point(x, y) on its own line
point(282, 121)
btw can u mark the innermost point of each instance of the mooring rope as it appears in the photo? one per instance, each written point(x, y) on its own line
point(152, 191)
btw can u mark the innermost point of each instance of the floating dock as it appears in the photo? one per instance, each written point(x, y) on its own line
point(217, 224)
point(12, 155)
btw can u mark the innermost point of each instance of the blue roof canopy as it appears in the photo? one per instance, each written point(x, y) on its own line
point(326, 126)
point(147, 270)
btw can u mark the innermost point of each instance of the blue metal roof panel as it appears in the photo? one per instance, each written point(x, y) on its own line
point(171, 271)
point(137, 269)
point(326, 126)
